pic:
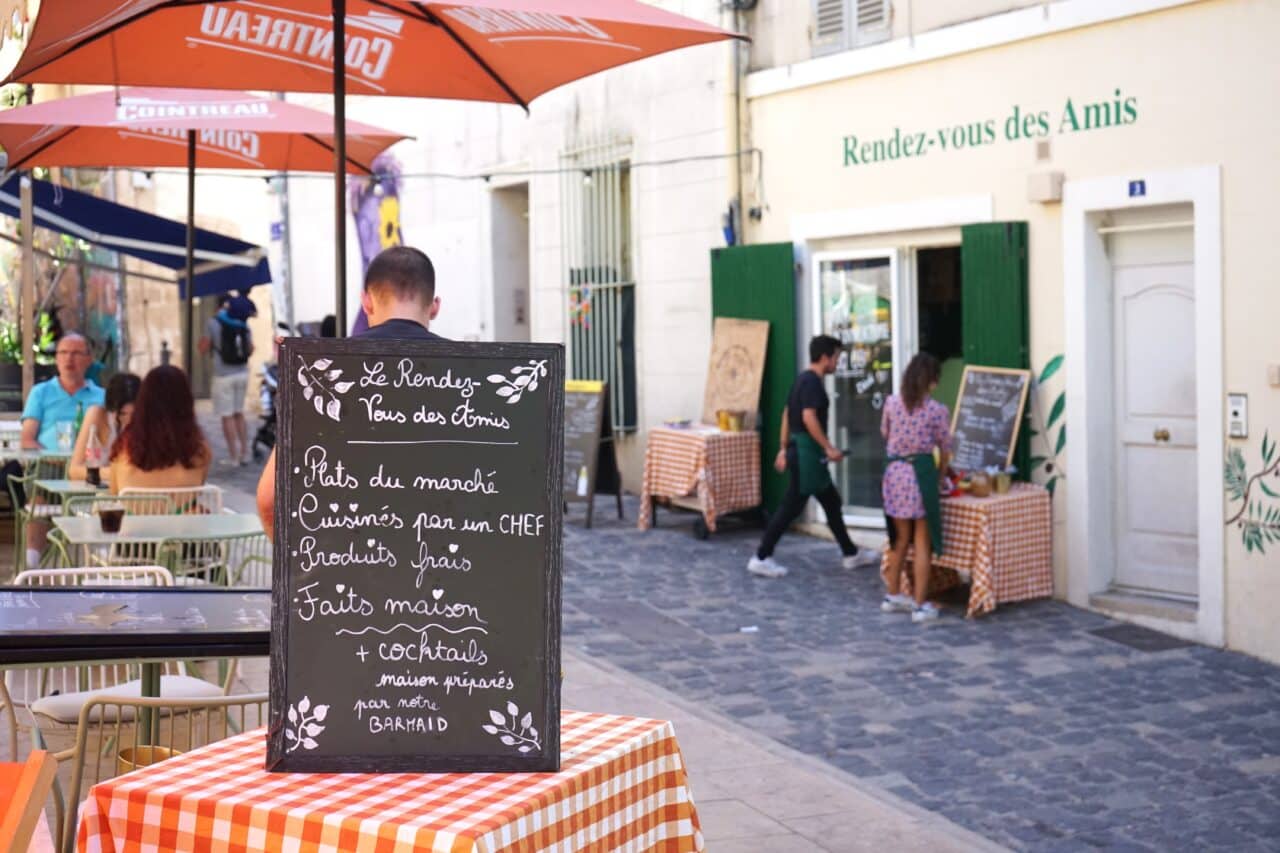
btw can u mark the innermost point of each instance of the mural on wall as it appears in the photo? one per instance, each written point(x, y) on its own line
point(1258, 515)
point(1055, 441)
point(102, 303)
point(72, 295)
point(375, 206)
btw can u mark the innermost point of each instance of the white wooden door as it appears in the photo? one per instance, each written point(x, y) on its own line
point(1156, 524)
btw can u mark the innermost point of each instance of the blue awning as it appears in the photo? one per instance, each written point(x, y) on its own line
point(222, 263)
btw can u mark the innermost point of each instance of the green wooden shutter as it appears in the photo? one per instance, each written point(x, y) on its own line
point(758, 283)
point(994, 303)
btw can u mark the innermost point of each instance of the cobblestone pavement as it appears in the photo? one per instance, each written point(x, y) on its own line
point(1022, 726)
point(241, 481)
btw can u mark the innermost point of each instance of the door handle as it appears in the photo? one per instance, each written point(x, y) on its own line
point(1161, 434)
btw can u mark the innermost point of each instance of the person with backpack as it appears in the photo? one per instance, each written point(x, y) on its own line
point(228, 338)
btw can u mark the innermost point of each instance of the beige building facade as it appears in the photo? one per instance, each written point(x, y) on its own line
point(1125, 149)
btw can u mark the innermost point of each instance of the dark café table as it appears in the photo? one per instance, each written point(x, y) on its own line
point(151, 626)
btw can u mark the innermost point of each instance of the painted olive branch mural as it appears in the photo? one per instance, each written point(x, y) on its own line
point(1258, 517)
point(1054, 442)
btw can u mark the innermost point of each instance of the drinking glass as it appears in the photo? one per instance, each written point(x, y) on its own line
point(66, 435)
point(110, 516)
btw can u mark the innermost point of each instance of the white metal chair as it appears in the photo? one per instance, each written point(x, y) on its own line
point(26, 687)
point(53, 696)
point(96, 576)
point(11, 717)
point(109, 741)
point(183, 501)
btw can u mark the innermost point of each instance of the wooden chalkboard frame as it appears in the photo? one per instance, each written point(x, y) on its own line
point(1022, 402)
point(278, 759)
point(603, 452)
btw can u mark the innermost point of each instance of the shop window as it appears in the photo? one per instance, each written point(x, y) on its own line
point(843, 24)
point(596, 225)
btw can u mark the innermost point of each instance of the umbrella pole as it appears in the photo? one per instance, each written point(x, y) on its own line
point(188, 318)
point(340, 165)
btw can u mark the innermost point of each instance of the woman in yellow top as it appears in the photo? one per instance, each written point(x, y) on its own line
point(163, 446)
point(107, 421)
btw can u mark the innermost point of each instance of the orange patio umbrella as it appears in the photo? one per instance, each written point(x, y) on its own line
point(196, 128)
point(507, 51)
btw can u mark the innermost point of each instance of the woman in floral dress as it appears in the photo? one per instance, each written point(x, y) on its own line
point(914, 424)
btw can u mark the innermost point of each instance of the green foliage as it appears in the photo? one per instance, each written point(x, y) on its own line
point(1051, 368)
point(11, 350)
point(1235, 475)
point(1258, 519)
point(1059, 407)
point(1049, 467)
point(13, 95)
point(1261, 527)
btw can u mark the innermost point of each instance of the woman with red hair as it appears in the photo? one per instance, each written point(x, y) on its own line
point(163, 446)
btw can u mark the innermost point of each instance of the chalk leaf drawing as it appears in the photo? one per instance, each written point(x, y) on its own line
point(524, 377)
point(518, 731)
point(323, 384)
point(304, 724)
point(1258, 518)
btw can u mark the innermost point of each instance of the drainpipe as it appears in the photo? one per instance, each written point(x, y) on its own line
point(285, 290)
point(737, 123)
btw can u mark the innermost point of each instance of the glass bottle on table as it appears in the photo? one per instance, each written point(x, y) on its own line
point(93, 458)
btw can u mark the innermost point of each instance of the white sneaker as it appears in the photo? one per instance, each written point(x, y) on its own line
point(926, 612)
point(766, 568)
point(865, 558)
point(898, 604)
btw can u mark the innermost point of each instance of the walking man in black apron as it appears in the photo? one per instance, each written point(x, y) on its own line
point(805, 455)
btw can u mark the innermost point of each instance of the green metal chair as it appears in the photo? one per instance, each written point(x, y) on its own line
point(133, 504)
point(235, 560)
point(128, 554)
point(183, 501)
point(32, 510)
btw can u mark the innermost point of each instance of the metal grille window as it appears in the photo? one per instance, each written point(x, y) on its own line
point(842, 24)
point(600, 289)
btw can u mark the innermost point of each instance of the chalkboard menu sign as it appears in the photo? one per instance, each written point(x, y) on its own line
point(416, 599)
point(590, 465)
point(987, 417)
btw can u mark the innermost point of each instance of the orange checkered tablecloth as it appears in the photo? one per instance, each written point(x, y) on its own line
point(1004, 543)
point(721, 468)
point(622, 786)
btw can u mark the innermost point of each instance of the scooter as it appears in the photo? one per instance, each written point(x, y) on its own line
point(264, 440)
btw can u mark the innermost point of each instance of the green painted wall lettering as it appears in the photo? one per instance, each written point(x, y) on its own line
point(1020, 123)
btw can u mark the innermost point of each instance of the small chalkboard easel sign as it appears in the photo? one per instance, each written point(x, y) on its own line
point(416, 598)
point(988, 417)
point(590, 461)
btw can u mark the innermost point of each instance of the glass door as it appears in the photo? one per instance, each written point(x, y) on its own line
point(857, 302)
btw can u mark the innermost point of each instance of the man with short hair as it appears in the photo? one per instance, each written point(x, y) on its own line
point(806, 452)
point(227, 337)
point(400, 301)
point(61, 400)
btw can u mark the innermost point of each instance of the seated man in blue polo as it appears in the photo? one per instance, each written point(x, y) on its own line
point(60, 400)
